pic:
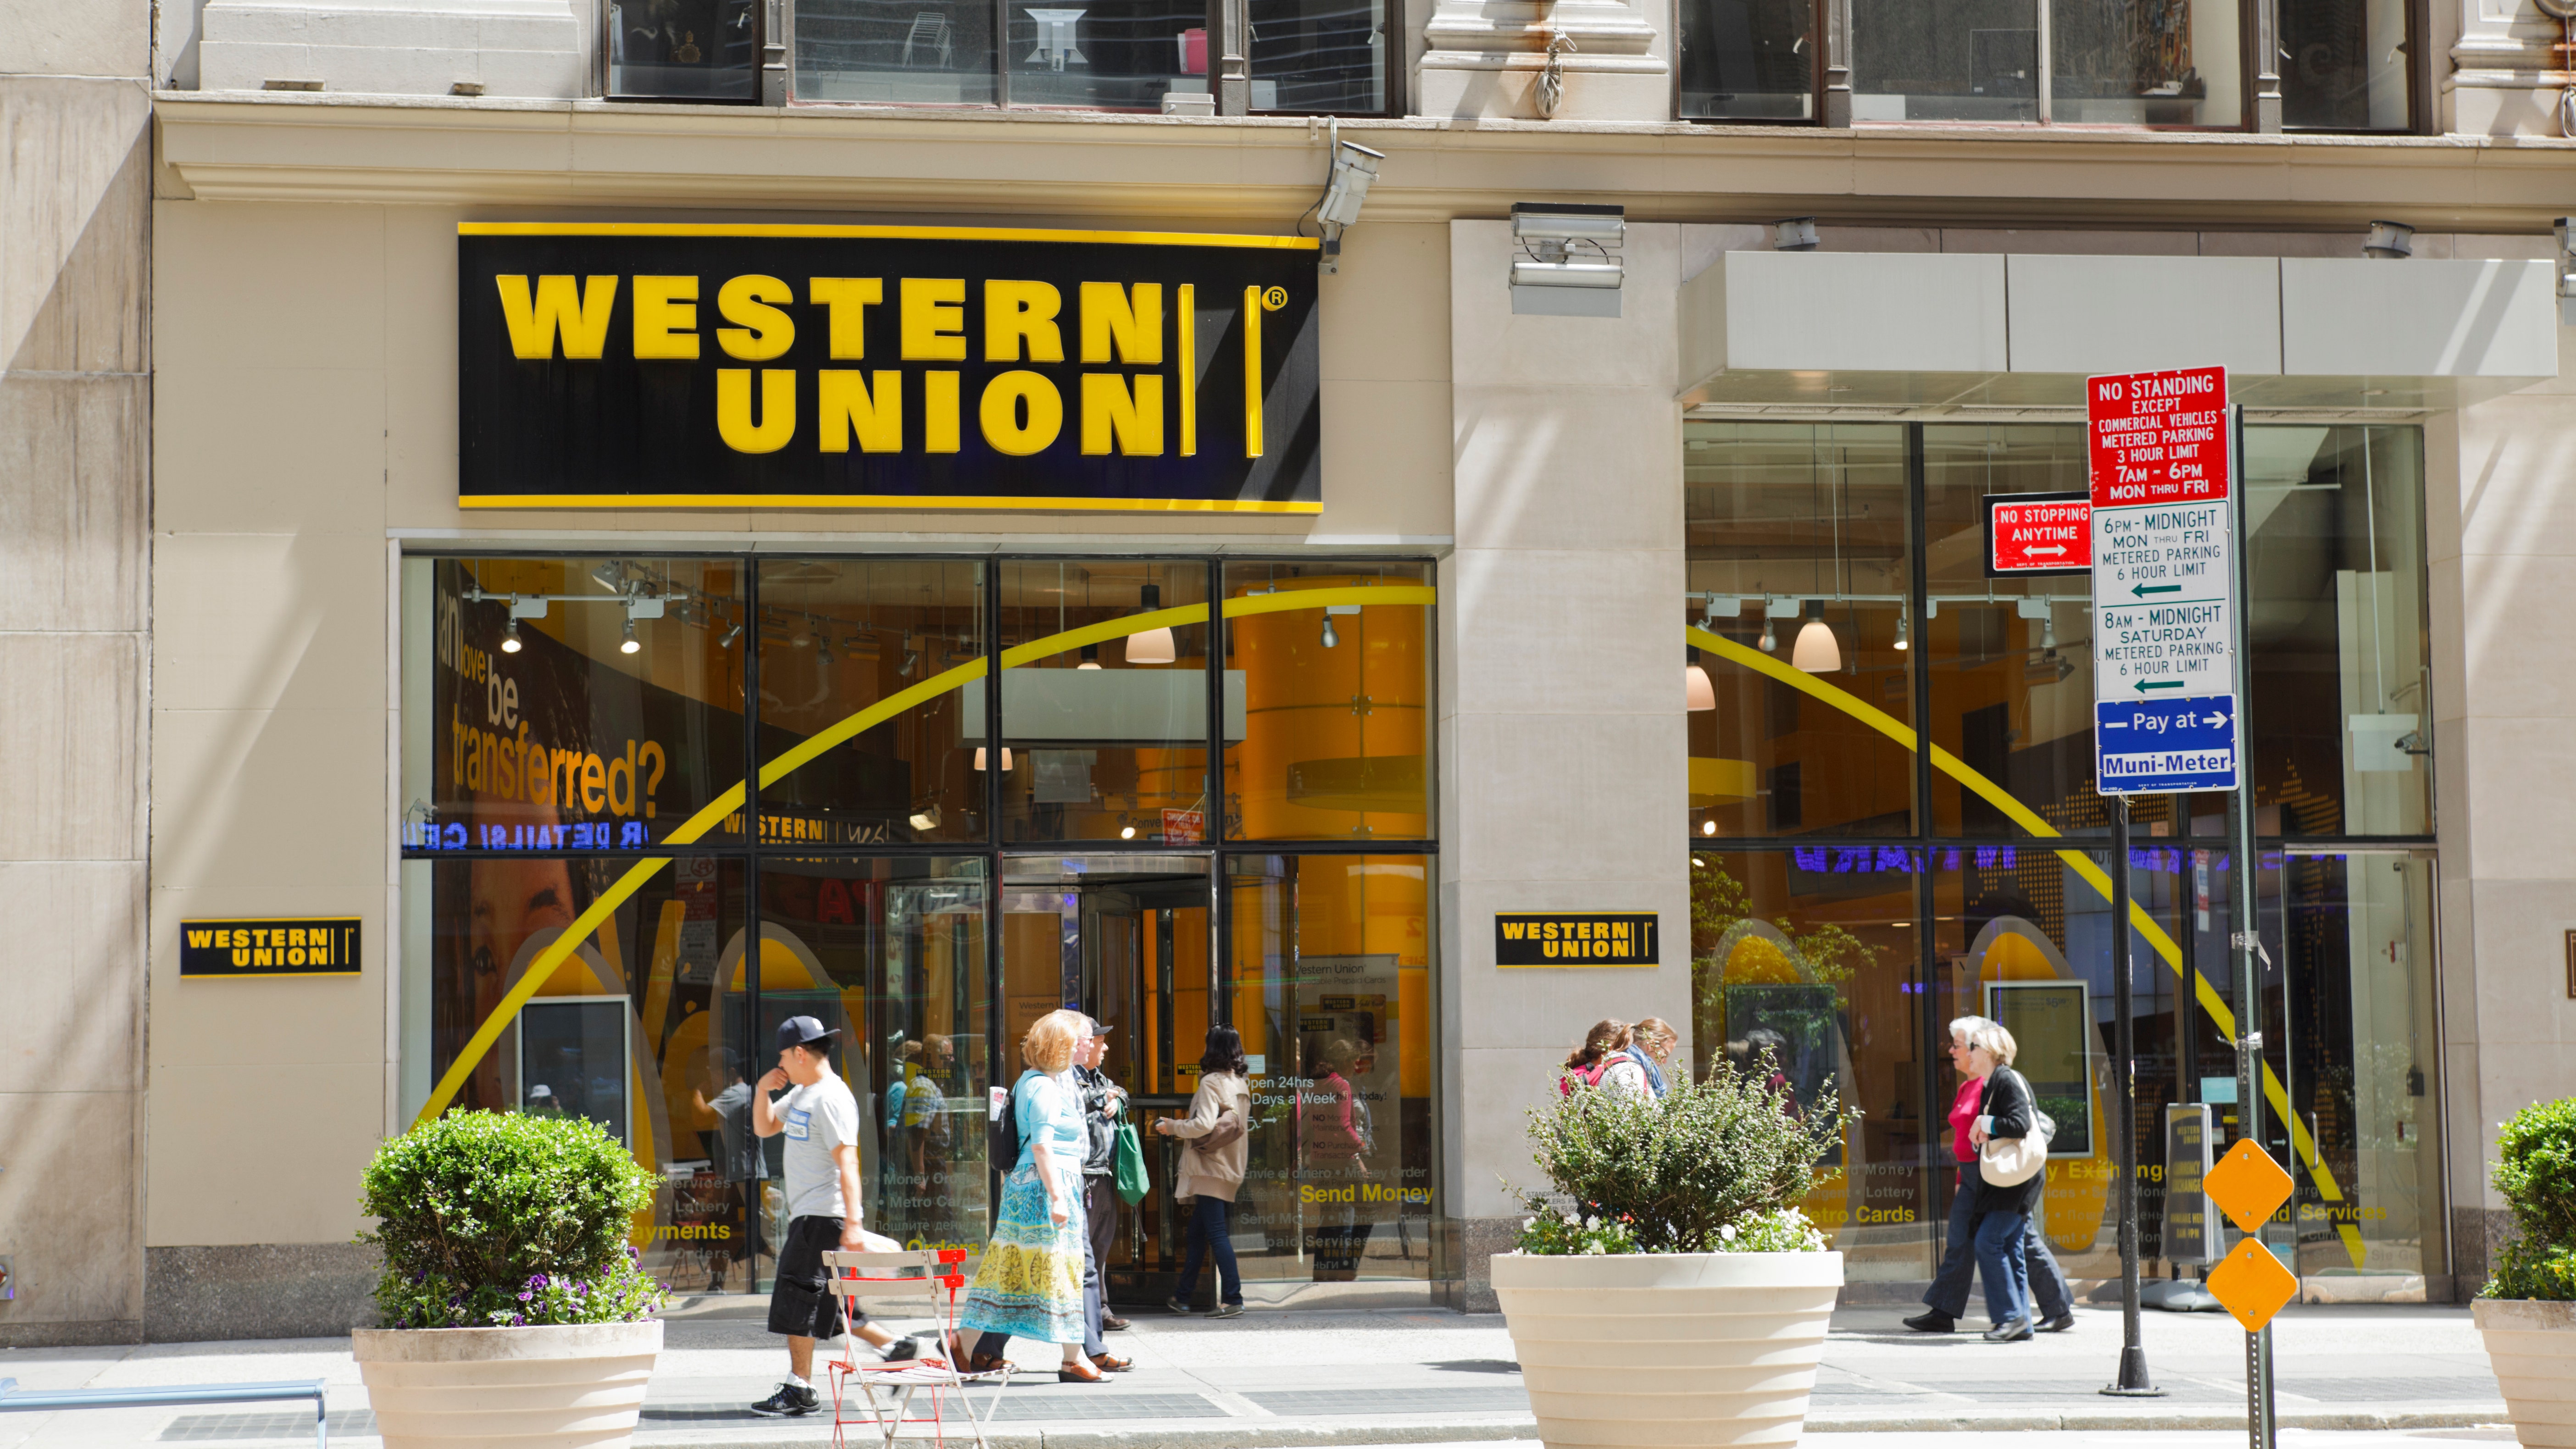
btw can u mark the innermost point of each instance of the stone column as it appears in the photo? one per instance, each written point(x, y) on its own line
point(2505, 80)
point(519, 48)
point(1563, 743)
point(1483, 59)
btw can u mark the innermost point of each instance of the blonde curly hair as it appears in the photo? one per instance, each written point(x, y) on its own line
point(1050, 1044)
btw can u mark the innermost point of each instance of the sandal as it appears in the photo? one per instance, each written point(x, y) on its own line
point(1079, 1371)
point(1110, 1363)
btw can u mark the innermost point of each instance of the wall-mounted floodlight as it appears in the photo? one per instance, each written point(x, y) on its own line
point(2389, 241)
point(2565, 230)
point(1568, 265)
point(1354, 167)
point(1797, 234)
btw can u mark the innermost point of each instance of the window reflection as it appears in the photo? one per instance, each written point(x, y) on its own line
point(1337, 729)
point(1805, 968)
point(1748, 60)
point(1318, 55)
point(1797, 538)
point(917, 52)
point(1106, 740)
point(1946, 60)
point(2344, 65)
point(836, 637)
point(2144, 62)
point(684, 50)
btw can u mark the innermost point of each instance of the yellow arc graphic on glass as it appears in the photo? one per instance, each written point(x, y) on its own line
point(696, 826)
point(2082, 864)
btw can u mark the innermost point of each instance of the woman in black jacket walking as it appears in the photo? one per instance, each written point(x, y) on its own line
point(2006, 1111)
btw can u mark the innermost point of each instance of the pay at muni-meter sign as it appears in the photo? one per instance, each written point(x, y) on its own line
point(695, 366)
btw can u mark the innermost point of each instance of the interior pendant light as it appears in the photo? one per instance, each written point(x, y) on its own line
point(1153, 646)
point(1006, 758)
point(926, 818)
point(1708, 827)
point(1770, 636)
point(1090, 657)
point(1816, 652)
point(510, 638)
point(626, 642)
point(1697, 691)
point(1330, 638)
point(1902, 642)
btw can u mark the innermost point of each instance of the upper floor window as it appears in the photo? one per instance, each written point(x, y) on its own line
point(1306, 55)
point(684, 50)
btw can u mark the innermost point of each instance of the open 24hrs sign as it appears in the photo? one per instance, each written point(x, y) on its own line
point(2164, 582)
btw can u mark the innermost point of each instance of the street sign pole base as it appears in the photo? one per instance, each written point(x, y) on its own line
point(2134, 1381)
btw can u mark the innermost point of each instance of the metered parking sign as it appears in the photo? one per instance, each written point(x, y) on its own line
point(2155, 746)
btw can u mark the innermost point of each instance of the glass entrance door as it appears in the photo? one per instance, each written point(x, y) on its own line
point(1129, 940)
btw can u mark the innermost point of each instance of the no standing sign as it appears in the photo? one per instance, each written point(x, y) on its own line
point(2164, 582)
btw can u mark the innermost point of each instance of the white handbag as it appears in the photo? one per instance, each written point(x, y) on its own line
point(2011, 1161)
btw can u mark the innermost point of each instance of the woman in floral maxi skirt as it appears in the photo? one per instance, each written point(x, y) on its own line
point(1030, 1283)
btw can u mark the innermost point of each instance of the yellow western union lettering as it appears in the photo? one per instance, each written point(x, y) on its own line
point(201, 939)
point(666, 318)
point(939, 425)
point(842, 401)
point(999, 414)
point(777, 421)
point(1188, 320)
point(1022, 314)
point(1515, 930)
point(1135, 328)
point(934, 319)
point(849, 298)
point(764, 332)
point(1137, 419)
point(581, 319)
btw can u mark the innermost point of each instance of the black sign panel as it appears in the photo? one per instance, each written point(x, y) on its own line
point(2188, 1214)
point(285, 946)
point(674, 366)
point(1574, 938)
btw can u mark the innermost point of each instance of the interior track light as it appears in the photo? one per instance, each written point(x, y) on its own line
point(1330, 638)
point(1770, 637)
point(730, 635)
point(1126, 832)
point(1903, 643)
point(626, 642)
point(1153, 646)
point(510, 638)
point(1816, 651)
point(1697, 692)
point(1708, 827)
point(1090, 657)
point(926, 818)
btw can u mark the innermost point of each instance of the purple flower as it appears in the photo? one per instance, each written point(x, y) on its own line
point(538, 1281)
point(523, 1297)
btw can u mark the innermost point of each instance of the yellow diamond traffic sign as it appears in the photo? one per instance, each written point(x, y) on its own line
point(2248, 1186)
point(2252, 1284)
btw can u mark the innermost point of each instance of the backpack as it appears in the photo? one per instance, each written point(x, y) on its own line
point(1590, 1076)
point(1002, 1131)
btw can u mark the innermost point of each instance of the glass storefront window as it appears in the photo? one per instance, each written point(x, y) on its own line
point(684, 50)
point(2344, 65)
point(572, 704)
point(2009, 660)
point(1799, 551)
point(836, 638)
point(1106, 739)
point(1336, 732)
point(1329, 980)
point(1123, 55)
point(2109, 62)
point(1806, 965)
point(1748, 60)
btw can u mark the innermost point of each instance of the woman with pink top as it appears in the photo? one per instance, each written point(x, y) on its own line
point(1947, 1298)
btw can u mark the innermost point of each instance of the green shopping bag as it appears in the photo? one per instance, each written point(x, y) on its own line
point(1127, 1164)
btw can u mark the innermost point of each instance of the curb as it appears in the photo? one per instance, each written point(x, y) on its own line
point(1291, 1434)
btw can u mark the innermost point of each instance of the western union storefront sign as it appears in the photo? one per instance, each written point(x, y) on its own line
point(679, 366)
point(289, 946)
point(1574, 938)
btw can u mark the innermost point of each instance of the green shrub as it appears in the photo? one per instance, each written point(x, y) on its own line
point(1715, 1166)
point(2536, 1172)
point(499, 1220)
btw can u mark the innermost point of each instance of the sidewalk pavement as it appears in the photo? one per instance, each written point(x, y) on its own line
point(1318, 1377)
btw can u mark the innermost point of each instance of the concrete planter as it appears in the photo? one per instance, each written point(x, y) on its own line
point(1668, 1348)
point(2532, 1345)
point(569, 1386)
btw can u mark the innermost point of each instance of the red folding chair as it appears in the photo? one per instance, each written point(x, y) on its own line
point(885, 1391)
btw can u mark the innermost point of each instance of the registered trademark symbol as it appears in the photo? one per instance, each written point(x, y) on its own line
point(1274, 299)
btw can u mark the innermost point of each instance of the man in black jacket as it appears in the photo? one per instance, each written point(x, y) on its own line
point(1101, 1099)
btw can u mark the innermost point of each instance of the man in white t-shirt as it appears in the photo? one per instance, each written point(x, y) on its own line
point(820, 1119)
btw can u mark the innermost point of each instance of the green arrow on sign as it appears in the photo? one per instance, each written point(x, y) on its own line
point(2144, 685)
point(2140, 591)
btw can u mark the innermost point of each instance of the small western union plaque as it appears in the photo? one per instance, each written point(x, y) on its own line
point(288, 946)
point(1574, 938)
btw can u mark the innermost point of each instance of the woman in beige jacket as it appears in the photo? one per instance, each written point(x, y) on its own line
point(1212, 1161)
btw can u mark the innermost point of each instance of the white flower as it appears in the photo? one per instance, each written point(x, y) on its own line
point(1727, 1232)
point(1593, 1223)
point(1528, 1223)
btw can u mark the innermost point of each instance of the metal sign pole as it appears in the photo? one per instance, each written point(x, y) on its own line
point(2244, 923)
point(2133, 1381)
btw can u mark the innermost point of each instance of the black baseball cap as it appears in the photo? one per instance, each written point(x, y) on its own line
point(802, 1031)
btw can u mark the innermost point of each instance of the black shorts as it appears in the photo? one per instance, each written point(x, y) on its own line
point(800, 1304)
